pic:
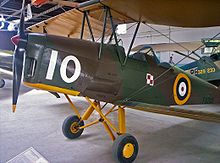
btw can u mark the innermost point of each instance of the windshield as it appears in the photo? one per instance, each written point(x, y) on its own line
point(144, 54)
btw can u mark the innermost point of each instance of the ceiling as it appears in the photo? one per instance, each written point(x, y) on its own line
point(11, 10)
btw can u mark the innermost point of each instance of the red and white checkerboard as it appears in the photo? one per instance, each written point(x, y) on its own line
point(150, 79)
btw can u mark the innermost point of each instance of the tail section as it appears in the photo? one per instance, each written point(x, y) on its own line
point(207, 68)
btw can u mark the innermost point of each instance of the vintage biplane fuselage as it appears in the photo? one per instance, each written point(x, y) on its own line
point(104, 72)
point(71, 66)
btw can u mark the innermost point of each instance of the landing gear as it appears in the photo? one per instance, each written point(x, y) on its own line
point(125, 146)
point(71, 126)
point(2, 83)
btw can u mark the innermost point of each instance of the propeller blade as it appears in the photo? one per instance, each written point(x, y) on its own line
point(17, 74)
point(18, 58)
point(21, 29)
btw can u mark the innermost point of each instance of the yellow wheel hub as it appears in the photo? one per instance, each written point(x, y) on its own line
point(128, 150)
point(73, 128)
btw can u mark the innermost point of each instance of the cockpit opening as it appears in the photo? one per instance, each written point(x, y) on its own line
point(145, 54)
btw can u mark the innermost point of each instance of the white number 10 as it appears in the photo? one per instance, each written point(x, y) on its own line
point(63, 67)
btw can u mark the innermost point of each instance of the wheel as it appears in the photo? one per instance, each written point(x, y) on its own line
point(2, 83)
point(71, 126)
point(125, 148)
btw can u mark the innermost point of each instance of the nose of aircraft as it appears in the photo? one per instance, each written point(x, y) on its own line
point(15, 39)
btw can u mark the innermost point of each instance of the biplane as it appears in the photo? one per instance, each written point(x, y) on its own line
point(66, 54)
point(207, 67)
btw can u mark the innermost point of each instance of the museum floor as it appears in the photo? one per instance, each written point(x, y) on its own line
point(162, 139)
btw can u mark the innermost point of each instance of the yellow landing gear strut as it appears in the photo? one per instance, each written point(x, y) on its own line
point(125, 146)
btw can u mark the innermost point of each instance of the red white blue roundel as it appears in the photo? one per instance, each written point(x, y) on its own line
point(181, 89)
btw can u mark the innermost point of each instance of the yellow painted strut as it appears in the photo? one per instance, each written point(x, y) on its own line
point(73, 106)
point(102, 115)
point(109, 127)
point(88, 112)
point(121, 120)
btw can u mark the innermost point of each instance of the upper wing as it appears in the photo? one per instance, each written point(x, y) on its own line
point(69, 24)
point(188, 13)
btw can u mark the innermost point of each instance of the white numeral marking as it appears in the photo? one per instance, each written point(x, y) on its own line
point(52, 65)
point(63, 69)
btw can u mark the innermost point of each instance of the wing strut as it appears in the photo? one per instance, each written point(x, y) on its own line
point(107, 15)
point(86, 18)
point(103, 32)
point(89, 25)
point(132, 42)
point(83, 25)
point(114, 34)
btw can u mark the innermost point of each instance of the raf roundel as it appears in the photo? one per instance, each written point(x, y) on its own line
point(181, 89)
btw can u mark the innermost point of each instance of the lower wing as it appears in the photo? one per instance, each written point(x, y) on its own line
point(197, 113)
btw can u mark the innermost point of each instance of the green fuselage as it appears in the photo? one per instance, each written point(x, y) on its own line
point(73, 64)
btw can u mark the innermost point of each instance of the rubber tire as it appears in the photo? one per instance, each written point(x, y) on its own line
point(118, 146)
point(67, 124)
point(2, 83)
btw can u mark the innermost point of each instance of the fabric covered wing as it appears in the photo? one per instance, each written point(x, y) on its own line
point(198, 114)
point(188, 13)
point(69, 24)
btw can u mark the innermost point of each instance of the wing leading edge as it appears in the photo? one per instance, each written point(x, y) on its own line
point(177, 111)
